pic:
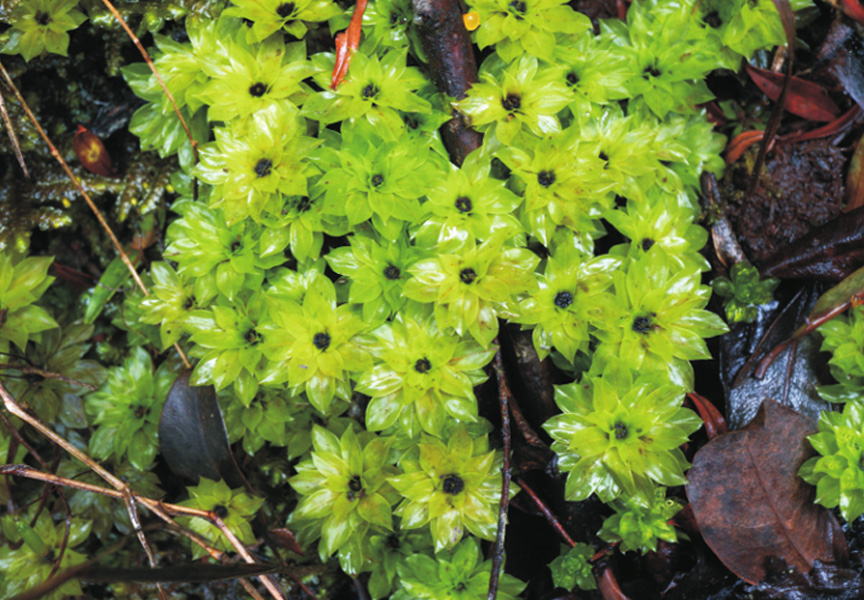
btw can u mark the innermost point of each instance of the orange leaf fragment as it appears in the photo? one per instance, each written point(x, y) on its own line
point(346, 43)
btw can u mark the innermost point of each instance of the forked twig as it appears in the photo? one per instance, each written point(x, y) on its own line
point(47, 374)
point(121, 491)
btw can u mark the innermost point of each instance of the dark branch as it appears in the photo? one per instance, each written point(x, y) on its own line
point(451, 65)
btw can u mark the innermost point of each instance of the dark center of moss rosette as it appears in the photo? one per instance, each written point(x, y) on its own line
point(453, 484)
point(221, 511)
point(321, 341)
point(422, 365)
point(263, 167)
point(392, 272)
point(285, 9)
point(467, 275)
point(512, 102)
point(642, 324)
point(463, 204)
point(257, 89)
point(621, 432)
point(572, 78)
point(546, 178)
point(377, 180)
point(518, 7)
point(370, 91)
point(646, 244)
point(563, 299)
point(42, 18)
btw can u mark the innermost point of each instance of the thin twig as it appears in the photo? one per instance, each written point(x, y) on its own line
point(47, 374)
point(158, 508)
point(13, 137)
point(551, 518)
point(150, 64)
point(504, 397)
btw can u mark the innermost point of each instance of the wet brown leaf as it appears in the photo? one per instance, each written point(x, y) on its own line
point(750, 504)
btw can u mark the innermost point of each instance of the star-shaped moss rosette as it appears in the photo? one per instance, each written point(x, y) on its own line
point(345, 493)
point(369, 177)
point(521, 96)
point(423, 375)
point(59, 351)
point(269, 16)
point(236, 508)
point(563, 184)
point(171, 299)
point(744, 26)
point(640, 528)
point(656, 319)
point(21, 284)
point(254, 167)
point(311, 346)
point(837, 472)
point(843, 336)
point(744, 291)
point(255, 78)
point(228, 338)
point(220, 258)
point(377, 270)
point(41, 26)
point(622, 143)
point(686, 146)
point(673, 54)
point(568, 300)
point(457, 575)
point(619, 435)
point(526, 26)
point(467, 205)
point(454, 487)
point(270, 416)
point(374, 89)
point(473, 286)
point(389, 551)
point(594, 70)
point(27, 558)
point(386, 23)
point(127, 407)
point(663, 222)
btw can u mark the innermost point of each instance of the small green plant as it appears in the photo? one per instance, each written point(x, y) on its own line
point(837, 473)
point(21, 284)
point(640, 527)
point(743, 292)
point(41, 26)
point(456, 575)
point(236, 508)
point(572, 568)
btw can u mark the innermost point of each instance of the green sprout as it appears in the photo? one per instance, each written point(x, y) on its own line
point(744, 292)
point(843, 336)
point(572, 568)
point(639, 527)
